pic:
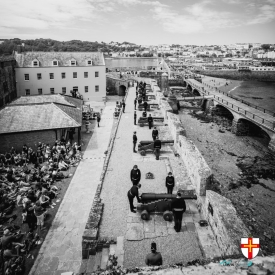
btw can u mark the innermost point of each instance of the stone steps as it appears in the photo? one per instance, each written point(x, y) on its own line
point(101, 259)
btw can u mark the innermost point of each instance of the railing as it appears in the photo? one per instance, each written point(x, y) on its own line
point(257, 107)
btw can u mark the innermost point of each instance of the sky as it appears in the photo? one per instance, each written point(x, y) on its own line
point(145, 22)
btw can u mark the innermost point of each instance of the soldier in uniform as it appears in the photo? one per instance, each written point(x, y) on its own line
point(154, 258)
point(132, 193)
point(135, 118)
point(170, 183)
point(145, 104)
point(135, 102)
point(178, 206)
point(157, 147)
point(150, 121)
point(135, 175)
point(155, 133)
point(123, 106)
point(134, 142)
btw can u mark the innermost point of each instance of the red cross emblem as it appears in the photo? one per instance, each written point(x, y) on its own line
point(250, 247)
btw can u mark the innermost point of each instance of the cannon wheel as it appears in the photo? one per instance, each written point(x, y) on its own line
point(144, 215)
point(143, 152)
point(167, 216)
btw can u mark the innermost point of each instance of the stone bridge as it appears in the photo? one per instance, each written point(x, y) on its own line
point(246, 118)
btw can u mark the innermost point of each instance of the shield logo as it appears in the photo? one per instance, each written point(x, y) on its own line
point(250, 247)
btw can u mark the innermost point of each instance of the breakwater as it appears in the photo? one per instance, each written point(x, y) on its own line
point(236, 75)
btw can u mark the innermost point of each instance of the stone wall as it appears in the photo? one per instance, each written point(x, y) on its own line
point(112, 85)
point(240, 128)
point(221, 215)
point(227, 227)
point(175, 82)
point(236, 75)
point(7, 81)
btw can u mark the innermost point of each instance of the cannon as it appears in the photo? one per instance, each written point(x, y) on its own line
point(144, 120)
point(161, 203)
point(151, 106)
point(145, 145)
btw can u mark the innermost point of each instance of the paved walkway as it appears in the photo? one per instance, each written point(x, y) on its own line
point(118, 221)
point(61, 250)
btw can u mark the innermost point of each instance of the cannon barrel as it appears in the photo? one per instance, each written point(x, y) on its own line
point(149, 197)
point(147, 142)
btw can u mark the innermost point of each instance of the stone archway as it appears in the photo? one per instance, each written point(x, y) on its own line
point(121, 90)
point(196, 92)
point(244, 127)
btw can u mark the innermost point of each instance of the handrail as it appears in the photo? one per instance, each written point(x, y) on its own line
point(269, 124)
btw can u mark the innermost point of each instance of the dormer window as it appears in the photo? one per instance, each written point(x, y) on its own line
point(55, 62)
point(73, 62)
point(35, 63)
point(89, 62)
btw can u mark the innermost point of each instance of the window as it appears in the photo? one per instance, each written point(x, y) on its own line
point(28, 91)
point(52, 90)
point(40, 91)
point(89, 62)
point(86, 89)
point(35, 63)
point(51, 75)
point(63, 75)
point(96, 88)
point(27, 77)
point(96, 74)
point(74, 74)
point(85, 74)
point(39, 76)
point(55, 63)
point(73, 62)
point(63, 90)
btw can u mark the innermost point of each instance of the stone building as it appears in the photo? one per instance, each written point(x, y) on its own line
point(44, 118)
point(40, 73)
point(7, 80)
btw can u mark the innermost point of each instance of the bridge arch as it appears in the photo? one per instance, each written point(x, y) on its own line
point(184, 83)
point(196, 92)
point(245, 127)
point(189, 87)
point(221, 110)
point(121, 90)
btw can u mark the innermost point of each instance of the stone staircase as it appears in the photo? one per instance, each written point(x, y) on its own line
point(100, 261)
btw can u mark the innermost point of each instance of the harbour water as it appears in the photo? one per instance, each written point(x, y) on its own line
point(256, 92)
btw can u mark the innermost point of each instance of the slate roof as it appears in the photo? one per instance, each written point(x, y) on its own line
point(45, 59)
point(54, 98)
point(24, 118)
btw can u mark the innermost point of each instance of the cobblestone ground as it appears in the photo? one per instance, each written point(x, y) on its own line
point(61, 250)
point(117, 218)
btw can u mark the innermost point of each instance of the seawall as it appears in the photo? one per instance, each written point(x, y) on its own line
point(236, 75)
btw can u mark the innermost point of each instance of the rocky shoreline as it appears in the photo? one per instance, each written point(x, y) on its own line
point(243, 170)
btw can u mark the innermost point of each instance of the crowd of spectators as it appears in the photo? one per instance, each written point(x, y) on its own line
point(27, 192)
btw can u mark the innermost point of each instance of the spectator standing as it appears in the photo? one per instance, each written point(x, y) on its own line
point(135, 103)
point(154, 258)
point(132, 193)
point(123, 106)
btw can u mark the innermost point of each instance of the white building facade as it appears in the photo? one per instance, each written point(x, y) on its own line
point(60, 73)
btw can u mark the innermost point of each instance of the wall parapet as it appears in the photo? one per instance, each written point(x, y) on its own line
point(225, 223)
